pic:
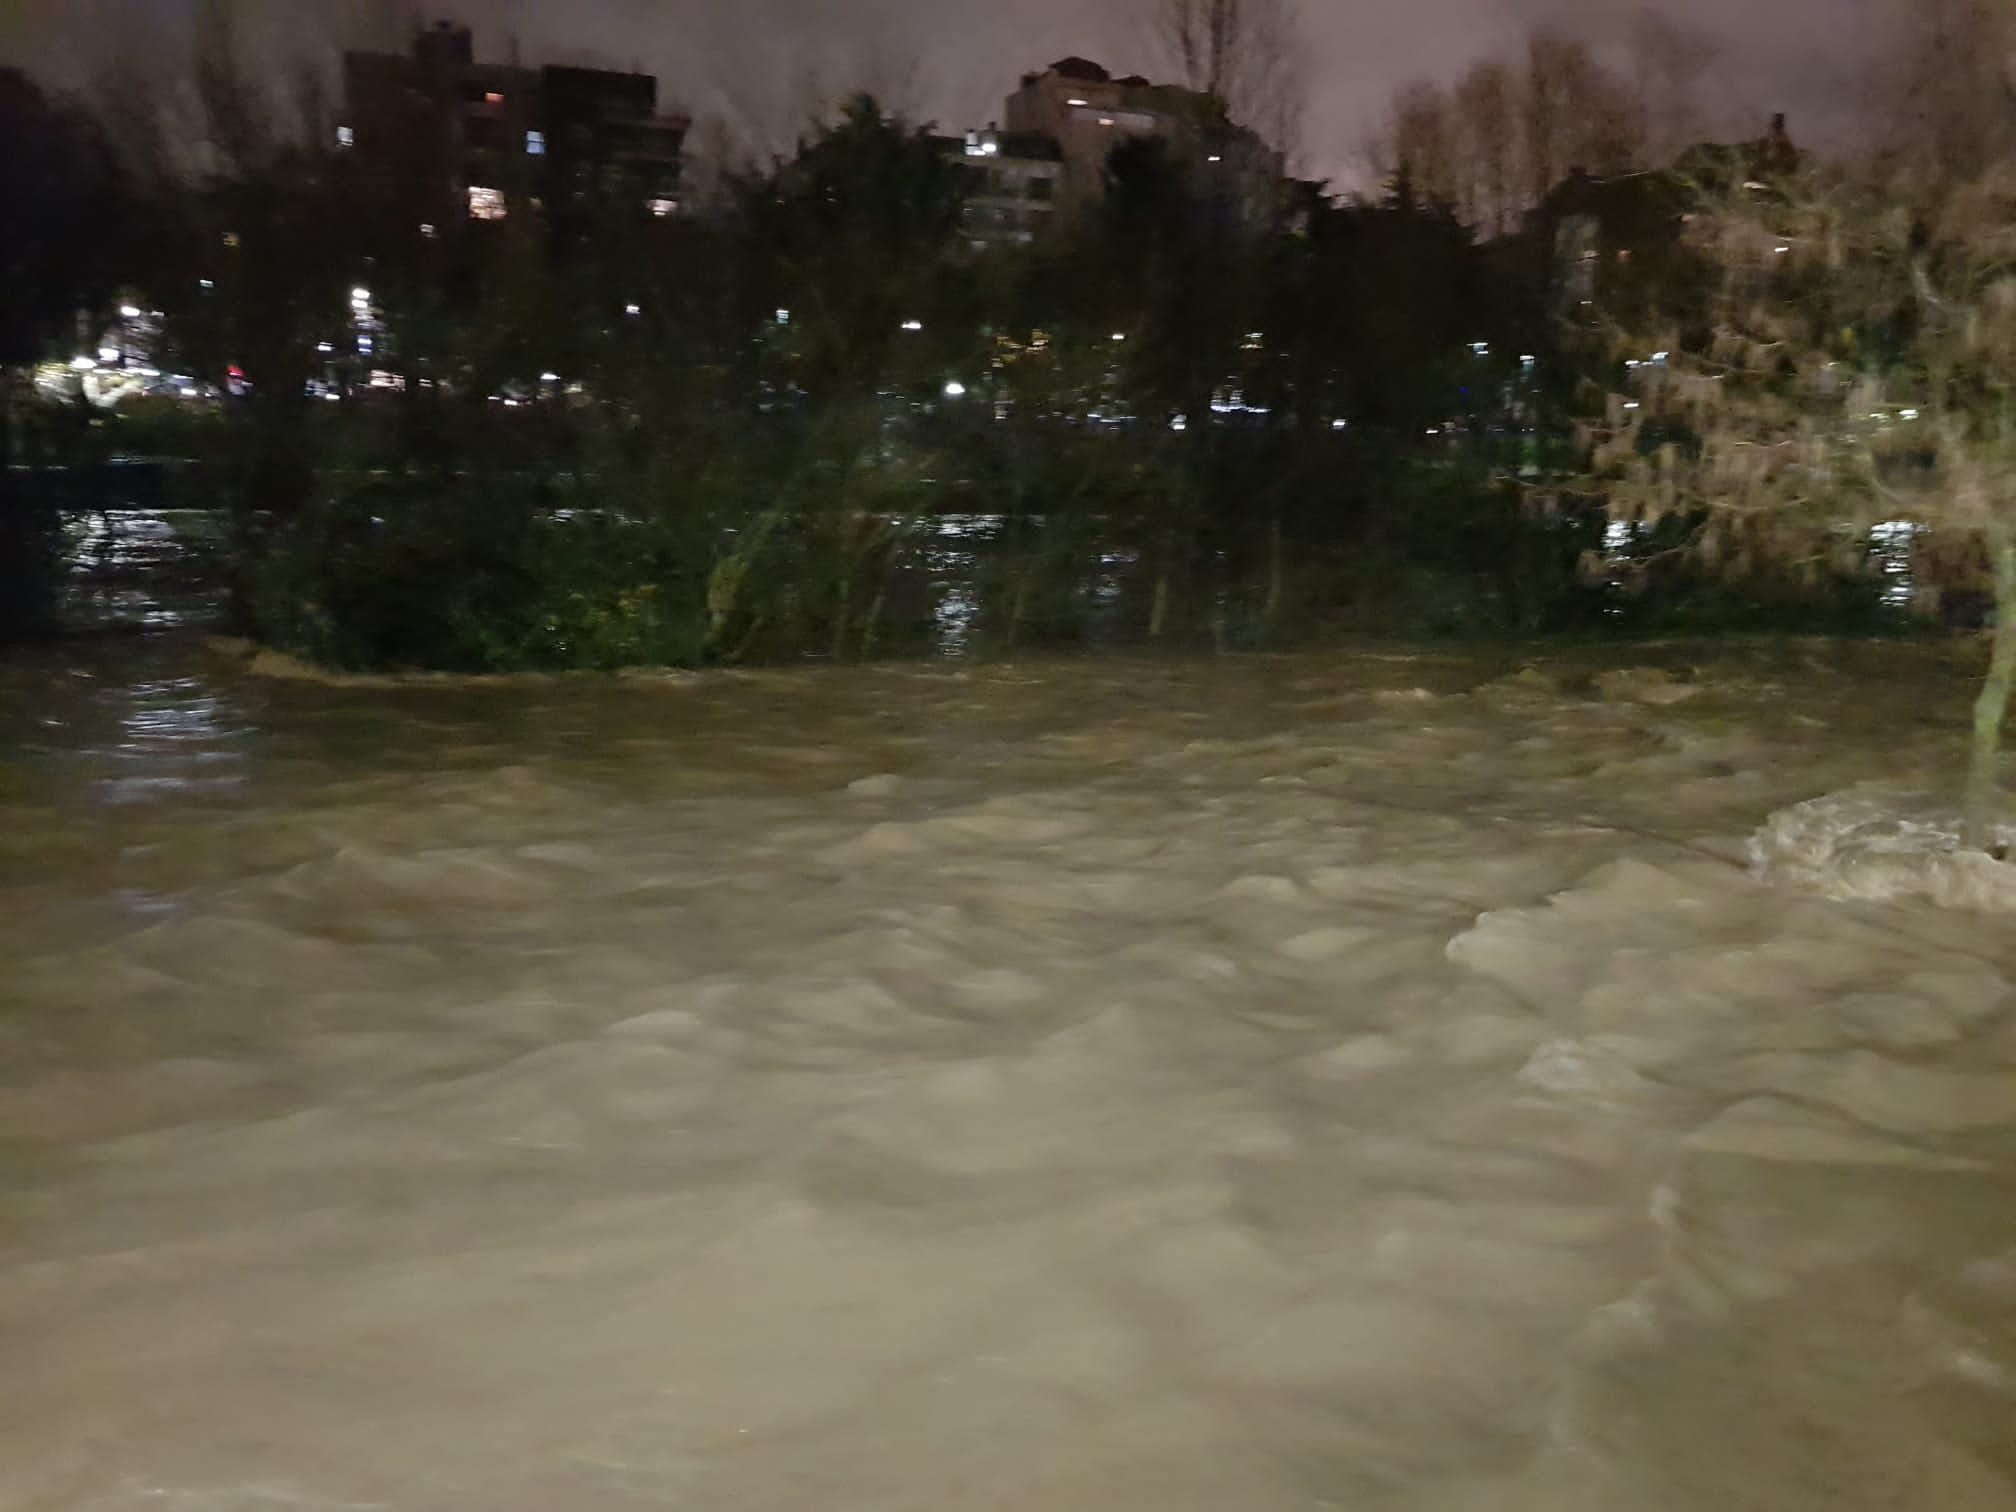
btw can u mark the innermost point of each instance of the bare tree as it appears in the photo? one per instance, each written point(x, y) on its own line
point(1425, 144)
point(237, 124)
point(1946, 90)
point(1486, 112)
point(1500, 139)
point(1671, 61)
point(1245, 54)
point(1577, 114)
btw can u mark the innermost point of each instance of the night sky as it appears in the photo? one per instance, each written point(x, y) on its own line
point(757, 63)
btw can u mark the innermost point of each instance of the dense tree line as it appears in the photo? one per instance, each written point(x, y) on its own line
point(1188, 417)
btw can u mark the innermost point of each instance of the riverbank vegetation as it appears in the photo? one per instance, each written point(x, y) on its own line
point(823, 416)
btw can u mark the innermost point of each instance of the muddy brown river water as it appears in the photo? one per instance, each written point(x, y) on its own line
point(1365, 1081)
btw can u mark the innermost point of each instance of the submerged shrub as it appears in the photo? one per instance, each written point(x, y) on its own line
point(473, 574)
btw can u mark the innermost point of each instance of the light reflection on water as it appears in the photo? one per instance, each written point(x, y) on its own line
point(148, 570)
point(172, 728)
point(956, 615)
point(140, 569)
point(1892, 545)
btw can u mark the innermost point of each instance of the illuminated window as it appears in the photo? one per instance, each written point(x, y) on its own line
point(493, 98)
point(345, 137)
point(427, 230)
point(535, 143)
point(1077, 103)
point(486, 204)
point(662, 207)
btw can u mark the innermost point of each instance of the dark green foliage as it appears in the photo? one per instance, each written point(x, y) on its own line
point(483, 574)
point(819, 423)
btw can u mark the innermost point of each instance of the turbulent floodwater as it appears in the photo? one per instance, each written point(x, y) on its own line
point(1362, 1081)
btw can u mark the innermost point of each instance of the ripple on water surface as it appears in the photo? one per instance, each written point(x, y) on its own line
point(1301, 1082)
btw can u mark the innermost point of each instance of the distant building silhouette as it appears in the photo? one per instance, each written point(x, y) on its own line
point(1606, 242)
point(460, 141)
point(1012, 181)
point(1048, 163)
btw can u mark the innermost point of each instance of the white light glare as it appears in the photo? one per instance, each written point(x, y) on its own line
point(83, 364)
point(129, 312)
point(549, 377)
point(108, 354)
point(913, 325)
point(954, 389)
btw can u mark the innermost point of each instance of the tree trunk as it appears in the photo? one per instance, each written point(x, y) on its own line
point(1277, 571)
point(843, 623)
point(1982, 807)
point(1018, 605)
point(871, 638)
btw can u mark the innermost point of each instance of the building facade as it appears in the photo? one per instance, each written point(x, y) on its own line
point(457, 141)
point(1012, 182)
point(1087, 112)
